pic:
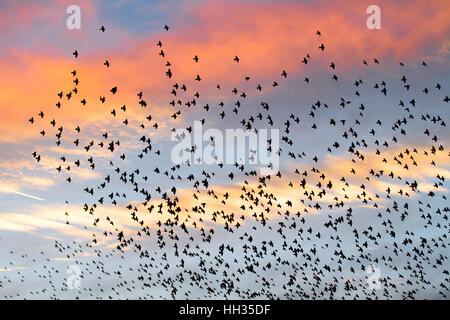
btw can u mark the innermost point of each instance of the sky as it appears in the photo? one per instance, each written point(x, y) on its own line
point(44, 229)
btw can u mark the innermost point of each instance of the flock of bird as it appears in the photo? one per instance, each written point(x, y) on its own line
point(251, 241)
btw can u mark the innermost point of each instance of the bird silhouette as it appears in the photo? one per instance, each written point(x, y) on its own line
point(344, 204)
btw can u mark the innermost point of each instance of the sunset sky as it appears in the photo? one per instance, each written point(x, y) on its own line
point(36, 61)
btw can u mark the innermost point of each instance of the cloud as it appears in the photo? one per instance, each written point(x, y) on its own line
point(268, 37)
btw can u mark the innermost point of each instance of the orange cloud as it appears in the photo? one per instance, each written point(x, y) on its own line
point(267, 38)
